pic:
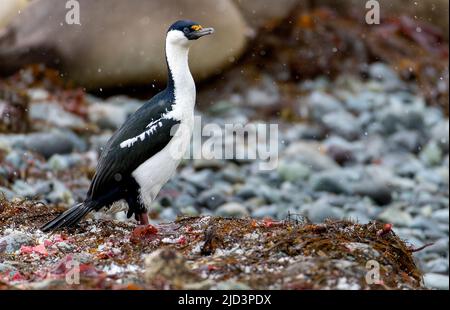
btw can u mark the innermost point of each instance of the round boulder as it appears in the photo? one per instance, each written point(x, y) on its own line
point(118, 42)
point(9, 9)
point(259, 13)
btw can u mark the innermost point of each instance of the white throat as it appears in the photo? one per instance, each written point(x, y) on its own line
point(177, 52)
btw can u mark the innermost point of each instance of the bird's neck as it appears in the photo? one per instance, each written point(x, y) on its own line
point(180, 80)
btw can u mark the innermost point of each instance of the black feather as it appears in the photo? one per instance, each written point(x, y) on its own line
point(69, 217)
point(116, 163)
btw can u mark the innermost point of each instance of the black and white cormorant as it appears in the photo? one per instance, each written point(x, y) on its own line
point(144, 153)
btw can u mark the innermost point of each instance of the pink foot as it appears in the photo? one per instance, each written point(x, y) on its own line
point(142, 218)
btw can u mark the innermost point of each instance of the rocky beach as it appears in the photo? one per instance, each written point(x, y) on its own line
point(362, 175)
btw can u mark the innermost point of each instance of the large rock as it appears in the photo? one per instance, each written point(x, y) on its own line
point(262, 12)
point(119, 42)
point(13, 241)
point(44, 143)
point(9, 9)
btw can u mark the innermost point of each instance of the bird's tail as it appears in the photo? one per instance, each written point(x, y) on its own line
point(70, 217)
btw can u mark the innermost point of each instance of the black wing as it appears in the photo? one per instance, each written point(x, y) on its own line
point(144, 134)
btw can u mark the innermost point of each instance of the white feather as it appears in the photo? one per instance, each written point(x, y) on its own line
point(152, 127)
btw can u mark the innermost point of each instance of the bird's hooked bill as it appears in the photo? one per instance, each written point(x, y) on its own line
point(199, 31)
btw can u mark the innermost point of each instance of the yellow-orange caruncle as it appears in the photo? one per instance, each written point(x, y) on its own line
point(196, 27)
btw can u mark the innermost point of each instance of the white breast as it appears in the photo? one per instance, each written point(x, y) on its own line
point(157, 170)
